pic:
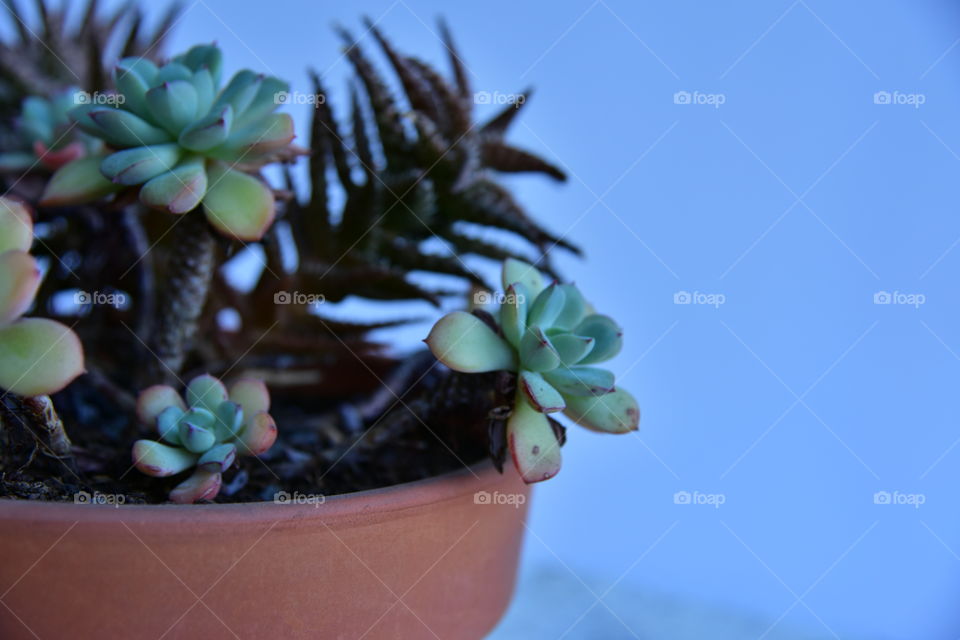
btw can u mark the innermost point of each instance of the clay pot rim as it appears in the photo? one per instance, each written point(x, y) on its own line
point(363, 507)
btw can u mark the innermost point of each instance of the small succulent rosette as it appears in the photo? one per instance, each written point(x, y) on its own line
point(183, 142)
point(205, 433)
point(37, 356)
point(44, 135)
point(551, 337)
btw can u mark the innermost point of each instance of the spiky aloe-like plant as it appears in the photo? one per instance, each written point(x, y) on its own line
point(205, 433)
point(550, 337)
point(37, 356)
point(45, 57)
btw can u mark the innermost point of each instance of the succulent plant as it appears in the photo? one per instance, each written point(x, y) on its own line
point(37, 356)
point(205, 433)
point(45, 135)
point(550, 336)
point(181, 140)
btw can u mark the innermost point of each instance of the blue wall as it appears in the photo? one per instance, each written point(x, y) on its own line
point(797, 200)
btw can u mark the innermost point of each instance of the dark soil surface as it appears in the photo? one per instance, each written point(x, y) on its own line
point(425, 422)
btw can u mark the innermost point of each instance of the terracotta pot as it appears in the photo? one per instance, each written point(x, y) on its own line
point(435, 558)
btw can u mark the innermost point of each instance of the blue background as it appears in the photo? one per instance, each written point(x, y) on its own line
point(798, 199)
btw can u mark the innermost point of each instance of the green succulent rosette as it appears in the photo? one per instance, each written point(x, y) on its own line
point(184, 142)
point(205, 433)
point(551, 337)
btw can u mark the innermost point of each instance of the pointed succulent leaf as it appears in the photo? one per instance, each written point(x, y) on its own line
point(547, 306)
point(172, 71)
point(54, 159)
point(160, 460)
point(206, 392)
point(195, 438)
point(574, 308)
point(240, 91)
point(199, 417)
point(38, 357)
point(125, 129)
point(513, 313)
point(202, 485)
point(615, 412)
point(465, 343)
point(266, 100)
point(19, 281)
point(572, 349)
point(533, 445)
point(257, 436)
point(206, 89)
point(139, 164)
point(581, 381)
point(204, 57)
point(179, 190)
point(544, 397)
point(168, 424)
point(209, 131)
point(537, 353)
point(132, 80)
point(16, 226)
point(36, 118)
point(173, 105)
point(606, 332)
point(77, 182)
point(237, 204)
point(152, 401)
point(273, 131)
point(252, 395)
point(524, 273)
point(229, 420)
point(218, 458)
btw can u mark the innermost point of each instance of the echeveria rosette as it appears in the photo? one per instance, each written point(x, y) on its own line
point(37, 356)
point(45, 134)
point(184, 142)
point(551, 337)
point(204, 433)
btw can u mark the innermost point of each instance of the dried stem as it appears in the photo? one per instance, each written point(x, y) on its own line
point(185, 290)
